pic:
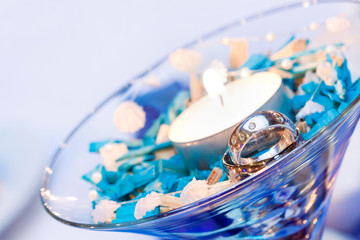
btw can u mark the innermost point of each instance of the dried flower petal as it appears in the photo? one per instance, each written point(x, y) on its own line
point(129, 117)
point(286, 64)
point(194, 191)
point(327, 73)
point(153, 200)
point(309, 108)
point(339, 88)
point(337, 23)
point(104, 211)
point(186, 60)
point(110, 153)
point(147, 204)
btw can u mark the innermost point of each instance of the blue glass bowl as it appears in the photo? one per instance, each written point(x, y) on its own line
point(287, 200)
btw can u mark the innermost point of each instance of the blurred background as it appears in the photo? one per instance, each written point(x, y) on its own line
point(58, 59)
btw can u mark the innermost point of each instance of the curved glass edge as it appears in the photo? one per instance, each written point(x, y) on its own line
point(344, 115)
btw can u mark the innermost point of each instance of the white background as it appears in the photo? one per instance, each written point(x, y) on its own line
point(60, 58)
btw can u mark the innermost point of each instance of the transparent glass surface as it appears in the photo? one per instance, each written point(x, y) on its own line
point(287, 200)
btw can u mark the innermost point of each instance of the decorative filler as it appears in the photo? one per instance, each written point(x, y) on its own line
point(337, 23)
point(309, 108)
point(104, 211)
point(110, 153)
point(149, 177)
point(177, 160)
point(238, 51)
point(129, 117)
point(186, 60)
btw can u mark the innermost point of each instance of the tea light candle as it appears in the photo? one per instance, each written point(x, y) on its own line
point(200, 134)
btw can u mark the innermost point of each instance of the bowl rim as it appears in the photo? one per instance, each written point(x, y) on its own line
point(347, 113)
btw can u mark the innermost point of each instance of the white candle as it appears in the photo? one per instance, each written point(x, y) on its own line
point(202, 130)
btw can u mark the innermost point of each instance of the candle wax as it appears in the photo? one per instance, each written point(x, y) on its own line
point(207, 117)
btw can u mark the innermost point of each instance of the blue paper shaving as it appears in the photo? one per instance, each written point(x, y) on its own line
point(299, 101)
point(326, 118)
point(154, 212)
point(138, 169)
point(145, 150)
point(256, 62)
point(87, 176)
point(163, 184)
point(200, 174)
point(182, 182)
point(176, 107)
point(342, 106)
point(329, 91)
point(301, 69)
point(125, 212)
point(125, 185)
point(152, 132)
point(175, 164)
point(343, 74)
point(94, 147)
point(325, 101)
point(354, 91)
point(145, 176)
point(128, 164)
point(307, 52)
point(310, 87)
point(161, 97)
point(109, 176)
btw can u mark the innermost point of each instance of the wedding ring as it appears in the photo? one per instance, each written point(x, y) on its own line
point(261, 136)
point(259, 140)
point(237, 173)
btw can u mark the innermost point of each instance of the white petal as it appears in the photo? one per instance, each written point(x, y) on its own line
point(300, 91)
point(92, 195)
point(286, 64)
point(310, 76)
point(186, 60)
point(331, 48)
point(129, 117)
point(147, 204)
point(194, 191)
point(110, 153)
point(220, 186)
point(337, 23)
point(104, 211)
point(327, 73)
point(339, 88)
point(149, 80)
point(96, 177)
point(309, 108)
point(153, 81)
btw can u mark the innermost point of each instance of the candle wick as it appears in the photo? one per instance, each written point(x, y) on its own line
point(221, 100)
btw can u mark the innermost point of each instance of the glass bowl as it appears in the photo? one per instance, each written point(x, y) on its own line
point(287, 200)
